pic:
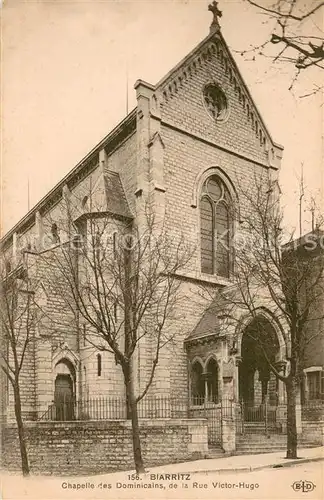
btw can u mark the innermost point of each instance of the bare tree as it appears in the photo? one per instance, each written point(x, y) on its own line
point(286, 280)
point(17, 316)
point(111, 264)
point(297, 31)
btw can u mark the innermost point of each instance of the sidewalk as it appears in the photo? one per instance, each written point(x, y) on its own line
point(232, 464)
point(246, 463)
point(15, 487)
point(227, 464)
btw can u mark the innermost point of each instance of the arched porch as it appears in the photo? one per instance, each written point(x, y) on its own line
point(258, 391)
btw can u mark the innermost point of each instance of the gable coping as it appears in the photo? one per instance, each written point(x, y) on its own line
point(214, 44)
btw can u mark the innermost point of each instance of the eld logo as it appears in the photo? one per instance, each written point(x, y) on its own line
point(304, 486)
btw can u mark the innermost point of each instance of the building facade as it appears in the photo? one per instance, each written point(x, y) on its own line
point(192, 140)
point(309, 252)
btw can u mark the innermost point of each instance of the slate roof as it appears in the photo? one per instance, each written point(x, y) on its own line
point(115, 136)
point(207, 325)
point(115, 195)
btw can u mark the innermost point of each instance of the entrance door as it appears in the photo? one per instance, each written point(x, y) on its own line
point(257, 391)
point(63, 397)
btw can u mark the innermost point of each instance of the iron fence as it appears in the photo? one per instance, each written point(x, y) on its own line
point(109, 408)
point(313, 410)
point(265, 418)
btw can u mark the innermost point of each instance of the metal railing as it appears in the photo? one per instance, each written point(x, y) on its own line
point(113, 408)
point(256, 418)
point(313, 409)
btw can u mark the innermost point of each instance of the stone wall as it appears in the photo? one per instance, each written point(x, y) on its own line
point(313, 431)
point(312, 412)
point(66, 448)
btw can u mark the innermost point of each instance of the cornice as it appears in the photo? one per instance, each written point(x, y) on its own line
point(203, 339)
point(210, 142)
point(87, 164)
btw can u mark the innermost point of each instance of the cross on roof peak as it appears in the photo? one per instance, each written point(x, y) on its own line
point(213, 8)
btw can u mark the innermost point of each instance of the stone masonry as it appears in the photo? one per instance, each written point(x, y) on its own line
point(161, 154)
point(66, 448)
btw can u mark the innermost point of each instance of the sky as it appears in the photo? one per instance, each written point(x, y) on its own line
point(67, 67)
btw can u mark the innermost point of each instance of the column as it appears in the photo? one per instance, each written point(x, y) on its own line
point(237, 408)
point(229, 372)
point(39, 231)
point(44, 376)
point(298, 412)
point(103, 157)
point(68, 216)
point(144, 93)
point(15, 249)
point(281, 412)
point(238, 361)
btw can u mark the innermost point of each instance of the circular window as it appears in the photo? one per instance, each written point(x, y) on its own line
point(214, 189)
point(215, 101)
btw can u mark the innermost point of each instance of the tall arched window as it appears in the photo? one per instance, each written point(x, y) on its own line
point(215, 227)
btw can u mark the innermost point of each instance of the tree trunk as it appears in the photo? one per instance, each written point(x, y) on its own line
point(128, 405)
point(127, 365)
point(132, 408)
point(291, 419)
point(137, 450)
point(21, 431)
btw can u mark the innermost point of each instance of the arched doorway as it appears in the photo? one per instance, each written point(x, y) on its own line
point(257, 384)
point(64, 393)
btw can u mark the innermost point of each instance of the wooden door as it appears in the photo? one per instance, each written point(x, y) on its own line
point(63, 397)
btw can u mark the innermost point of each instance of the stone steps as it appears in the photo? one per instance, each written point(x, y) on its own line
point(261, 443)
point(260, 427)
point(263, 449)
point(270, 441)
point(275, 438)
point(253, 444)
point(215, 452)
point(258, 451)
point(261, 437)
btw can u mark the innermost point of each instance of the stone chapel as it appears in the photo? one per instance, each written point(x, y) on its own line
point(191, 138)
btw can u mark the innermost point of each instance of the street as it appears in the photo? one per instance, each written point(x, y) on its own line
point(299, 481)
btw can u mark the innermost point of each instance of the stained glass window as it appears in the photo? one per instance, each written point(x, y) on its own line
point(215, 228)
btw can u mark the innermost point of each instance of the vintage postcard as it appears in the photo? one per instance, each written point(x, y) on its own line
point(162, 249)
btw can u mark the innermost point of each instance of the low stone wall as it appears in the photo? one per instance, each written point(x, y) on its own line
point(312, 412)
point(92, 447)
point(313, 431)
